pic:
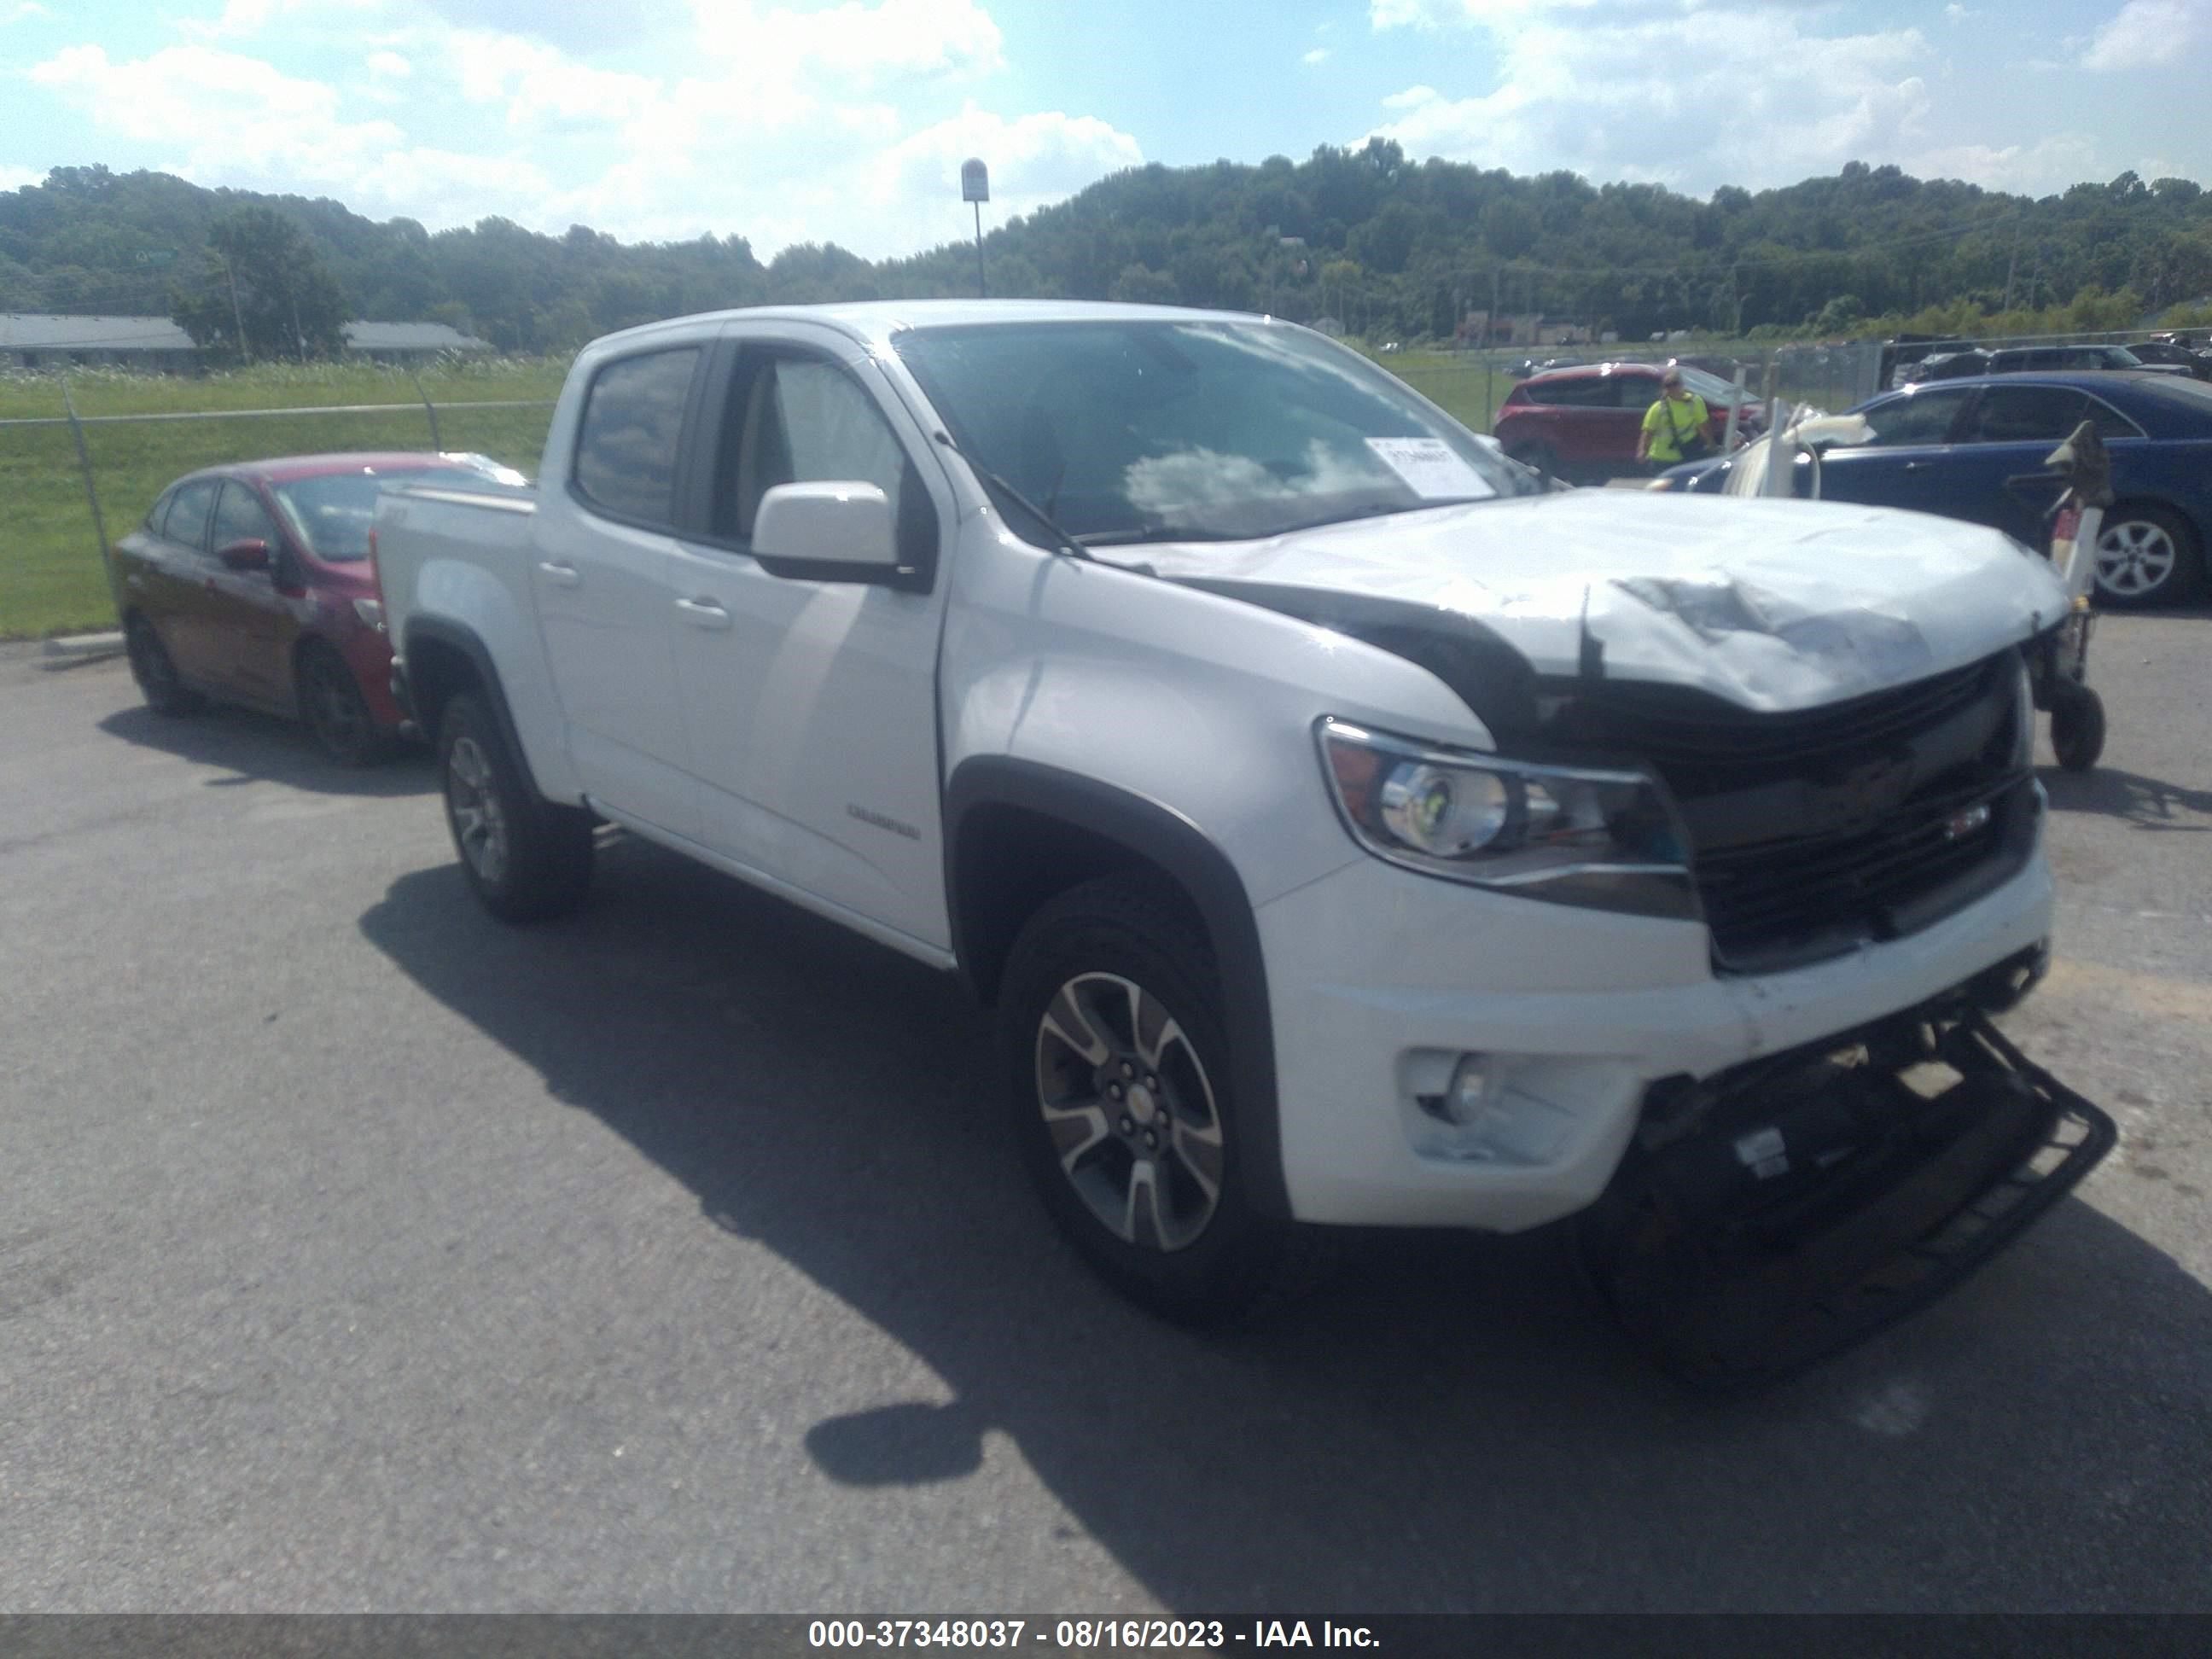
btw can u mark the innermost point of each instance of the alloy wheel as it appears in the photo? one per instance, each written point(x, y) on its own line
point(479, 822)
point(1134, 1124)
point(2136, 558)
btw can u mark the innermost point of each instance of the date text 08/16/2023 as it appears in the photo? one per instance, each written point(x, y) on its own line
point(1084, 1634)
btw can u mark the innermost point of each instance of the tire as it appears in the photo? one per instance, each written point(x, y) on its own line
point(152, 666)
point(1113, 976)
point(2146, 556)
point(2077, 727)
point(337, 714)
point(526, 857)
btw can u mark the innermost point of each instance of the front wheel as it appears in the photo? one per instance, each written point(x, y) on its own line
point(526, 857)
point(338, 714)
point(1119, 1080)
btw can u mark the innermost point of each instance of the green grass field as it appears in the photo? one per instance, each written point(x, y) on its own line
point(51, 581)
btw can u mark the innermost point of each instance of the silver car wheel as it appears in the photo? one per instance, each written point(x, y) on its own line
point(1131, 1112)
point(472, 797)
point(2135, 558)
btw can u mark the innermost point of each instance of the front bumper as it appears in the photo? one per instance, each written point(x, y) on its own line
point(1381, 981)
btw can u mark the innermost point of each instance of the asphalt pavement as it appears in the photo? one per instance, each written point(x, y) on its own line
point(359, 1254)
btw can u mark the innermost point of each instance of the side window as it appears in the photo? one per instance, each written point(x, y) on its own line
point(187, 523)
point(633, 425)
point(805, 422)
point(240, 517)
point(1583, 391)
point(1923, 417)
point(159, 511)
point(2111, 423)
point(2027, 414)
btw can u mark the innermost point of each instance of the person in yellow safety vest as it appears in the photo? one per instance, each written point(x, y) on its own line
point(1674, 425)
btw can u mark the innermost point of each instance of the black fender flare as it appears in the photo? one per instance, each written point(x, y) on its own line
point(459, 637)
point(1160, 836)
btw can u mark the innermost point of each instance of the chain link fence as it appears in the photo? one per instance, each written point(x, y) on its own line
point(73, 480)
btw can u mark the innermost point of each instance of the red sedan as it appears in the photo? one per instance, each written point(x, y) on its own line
point(252, 584)
point(1581, 423)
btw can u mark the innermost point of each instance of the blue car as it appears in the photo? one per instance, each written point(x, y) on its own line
point(1973, 449)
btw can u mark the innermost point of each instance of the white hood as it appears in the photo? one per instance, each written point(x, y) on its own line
point(1772, 604)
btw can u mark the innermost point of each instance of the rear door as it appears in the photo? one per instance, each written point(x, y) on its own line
point(180, 588)
point(811, 704)
point(1905, 464)
point(600, 570)
point(1997, 474)
point(250, 623)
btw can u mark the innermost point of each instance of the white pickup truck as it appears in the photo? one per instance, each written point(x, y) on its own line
point(1349, 827)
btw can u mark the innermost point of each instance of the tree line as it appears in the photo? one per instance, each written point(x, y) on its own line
point(1389, 248)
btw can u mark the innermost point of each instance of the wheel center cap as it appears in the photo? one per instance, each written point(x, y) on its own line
point(1141, 1105)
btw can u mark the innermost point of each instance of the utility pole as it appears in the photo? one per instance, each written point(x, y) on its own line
point(2012, 264)
point(237, 314)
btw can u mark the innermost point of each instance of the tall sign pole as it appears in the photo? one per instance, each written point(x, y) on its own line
point(976, 186)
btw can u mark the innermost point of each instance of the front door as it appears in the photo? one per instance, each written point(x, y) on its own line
point(600, 570)
point(2001, 479)
point(180, 592)
point(811, 705)
point(1906, 462)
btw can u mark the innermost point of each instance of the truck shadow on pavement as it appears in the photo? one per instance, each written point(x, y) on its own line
point(2145, 803)
point(253, 747)
point(1439, 1425)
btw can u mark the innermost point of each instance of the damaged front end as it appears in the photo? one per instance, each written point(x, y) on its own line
point(1774, 1214)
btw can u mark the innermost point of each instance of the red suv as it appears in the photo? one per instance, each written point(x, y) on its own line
point(1581, 423)
point(252, 583)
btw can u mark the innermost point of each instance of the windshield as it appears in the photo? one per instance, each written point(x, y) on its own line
point(1194, 431)
point(331, 514)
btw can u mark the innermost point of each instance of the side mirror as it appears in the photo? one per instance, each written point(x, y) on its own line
point(252, 554)
point(844, 528)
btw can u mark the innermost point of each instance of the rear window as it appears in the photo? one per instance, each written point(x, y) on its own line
point(331, 516)
point(633, 422)
point(1576, 391)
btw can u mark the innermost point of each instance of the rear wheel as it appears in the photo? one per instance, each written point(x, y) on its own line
point(1118, 1075)
point(2146, 556)
point(335, 712)
point(152, 666)
point(527, 857)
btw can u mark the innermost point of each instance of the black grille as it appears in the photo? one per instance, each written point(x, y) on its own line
point(1812, 831)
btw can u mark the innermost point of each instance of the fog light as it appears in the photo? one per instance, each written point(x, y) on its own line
point(1475, 1087)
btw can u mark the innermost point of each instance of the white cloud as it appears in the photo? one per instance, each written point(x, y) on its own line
point(246, 17)
point(22, 11)
point(1697, 100)
point(861, 45)
point(773, 124)
point(230, 119)
point(1433, 15)
point(2145, 33)
point(2042, 168)
point(1315, 58)
point(14, 179)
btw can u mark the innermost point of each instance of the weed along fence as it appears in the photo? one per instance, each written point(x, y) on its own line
point(81, 459)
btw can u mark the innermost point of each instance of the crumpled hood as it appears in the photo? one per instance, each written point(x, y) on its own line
point(1769, 604)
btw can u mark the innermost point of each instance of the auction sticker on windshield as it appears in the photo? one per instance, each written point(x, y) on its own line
point(1431, 469)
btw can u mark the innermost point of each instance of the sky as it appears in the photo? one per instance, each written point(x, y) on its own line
point(665, 119)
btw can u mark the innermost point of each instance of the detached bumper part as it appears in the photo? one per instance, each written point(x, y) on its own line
point(1794, 1208)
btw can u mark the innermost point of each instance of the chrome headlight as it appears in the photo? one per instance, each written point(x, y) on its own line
point(2023, 716)
point(1605, 839)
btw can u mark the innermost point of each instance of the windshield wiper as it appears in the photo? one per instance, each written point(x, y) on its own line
point(1066, 543)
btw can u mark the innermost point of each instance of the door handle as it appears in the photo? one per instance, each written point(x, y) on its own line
point(1917, 466)
point(561, 575)
point(703, 613)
